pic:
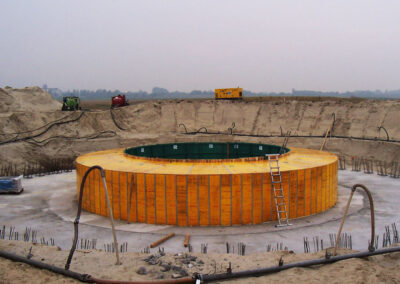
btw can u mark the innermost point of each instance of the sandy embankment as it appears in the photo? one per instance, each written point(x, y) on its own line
point(99, 264)
point(24, 110)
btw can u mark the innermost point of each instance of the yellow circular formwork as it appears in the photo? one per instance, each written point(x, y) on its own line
point(207, 192)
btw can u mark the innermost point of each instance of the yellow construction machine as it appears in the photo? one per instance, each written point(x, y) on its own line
point(229, 94)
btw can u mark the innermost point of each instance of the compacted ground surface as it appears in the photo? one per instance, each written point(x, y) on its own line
point(48, 206)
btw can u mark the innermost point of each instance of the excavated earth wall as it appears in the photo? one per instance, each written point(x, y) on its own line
point(31, 135)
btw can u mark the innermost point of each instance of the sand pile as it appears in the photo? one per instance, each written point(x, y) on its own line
point(29, 99)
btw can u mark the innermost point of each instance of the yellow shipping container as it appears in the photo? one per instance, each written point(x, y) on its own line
point(230, 93)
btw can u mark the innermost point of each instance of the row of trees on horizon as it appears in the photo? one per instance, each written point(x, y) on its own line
point(162, 93)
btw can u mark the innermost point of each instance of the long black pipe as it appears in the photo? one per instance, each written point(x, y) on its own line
point(42, 265)
point(387, 134)
point(203, 277)
point(78, 215)
point(273, 269)
point(292, 136)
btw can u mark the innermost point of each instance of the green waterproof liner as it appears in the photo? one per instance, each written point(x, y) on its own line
point(205, 150)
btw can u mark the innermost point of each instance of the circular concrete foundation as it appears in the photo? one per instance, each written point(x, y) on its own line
point(205, 184)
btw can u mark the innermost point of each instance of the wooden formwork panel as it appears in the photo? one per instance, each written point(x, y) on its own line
point(226, 200)
point(207, 199)
point(204, 200)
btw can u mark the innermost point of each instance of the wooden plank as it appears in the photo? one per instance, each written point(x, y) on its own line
point(123, 195)
point(288, 198)
point(150, 199)
point(300, 193)
point(182, 200)
point(236, 200)
point(293, 194)
point(257, 201)
point(214, 199)
point(324, 188)
point(108, 184)
point(335, 184)
point(186, 243)
point(141, 195)
point(160, 241)
point(225, 200)
point(307, 194)
point(132, 198)
point(192, 201)
point(267, 198)
point(314, 191)
point(203, 200)
point(247, 198)
point(160, 197)
point(171, 200)
point(319, 189)
point(95, 175)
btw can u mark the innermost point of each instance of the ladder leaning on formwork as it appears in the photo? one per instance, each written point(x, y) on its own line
point(285, 141)
point(276, 184)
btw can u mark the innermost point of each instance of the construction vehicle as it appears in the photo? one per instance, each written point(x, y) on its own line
point(229, 94)
point(119, 101)
point(71, 103)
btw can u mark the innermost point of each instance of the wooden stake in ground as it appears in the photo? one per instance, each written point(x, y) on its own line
point(186, 243)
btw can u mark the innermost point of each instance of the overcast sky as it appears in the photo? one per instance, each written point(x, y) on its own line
point(185, 45)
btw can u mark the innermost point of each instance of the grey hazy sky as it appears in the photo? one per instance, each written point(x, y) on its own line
point(184, 45)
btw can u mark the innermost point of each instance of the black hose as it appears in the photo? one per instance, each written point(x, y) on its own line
point(292, 136)
point(199, 130)
point(387, 134)
point(78, 214)
point(115, 122)
point(15, 139)
point(43, 126)
point(371, 206)
point(86, 277)
point(230, 129)
point(273, 269)
point(44, 142)
point(205, 277)
point(52, 268)
point(184, 126)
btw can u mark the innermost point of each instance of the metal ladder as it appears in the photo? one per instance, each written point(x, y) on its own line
point(276, 182)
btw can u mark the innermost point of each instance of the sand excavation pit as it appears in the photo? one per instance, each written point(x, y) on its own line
point(221, 201)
